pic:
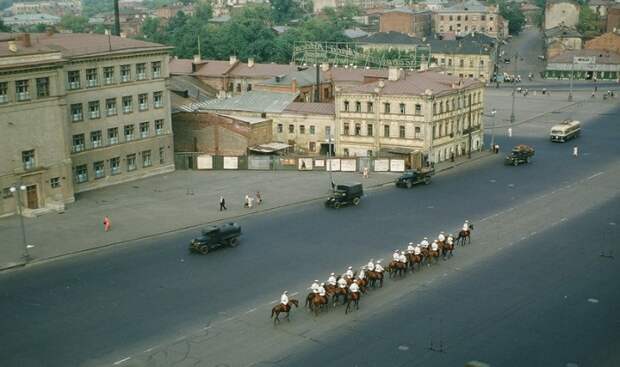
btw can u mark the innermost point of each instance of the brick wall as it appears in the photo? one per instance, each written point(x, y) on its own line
point(607, 42)
point(396, 22)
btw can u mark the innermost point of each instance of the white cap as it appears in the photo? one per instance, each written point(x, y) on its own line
point(322, 284)
point(426, 238)
point(316, 281)
point(402, 252)
point(285, 292)
point(350, 267)
point(411, 243)
point(332, 274)
point(378, 261)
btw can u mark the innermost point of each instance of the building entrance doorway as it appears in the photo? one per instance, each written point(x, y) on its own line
point(32, 199)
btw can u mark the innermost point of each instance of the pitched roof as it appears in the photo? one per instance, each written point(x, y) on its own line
point(390, 38)
point(473, 6)
point(313, 108)
point(254, 101)
point(303, 78)
point(562, 31)
point(416, 84)
point(355, 33)
point(342, 75)
point(179, 66)
point(260, 70)
point(601, 57)
point(400, 10)
point(462, 47)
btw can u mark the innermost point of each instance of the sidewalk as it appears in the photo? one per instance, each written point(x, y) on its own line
point(167, 203)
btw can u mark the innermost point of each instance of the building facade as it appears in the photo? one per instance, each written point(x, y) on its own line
point(584, 65)
point(425, 112)
point(561, 13)
point(113, 108)
point(404, 20)
point(469, 16)
point(608, 42)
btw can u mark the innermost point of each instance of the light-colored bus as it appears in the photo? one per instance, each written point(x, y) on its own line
point(565, 131)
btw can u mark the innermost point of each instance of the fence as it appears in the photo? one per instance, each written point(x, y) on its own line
point(200, 161)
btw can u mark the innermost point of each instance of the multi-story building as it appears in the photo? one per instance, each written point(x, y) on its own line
point(100, 115)
point(561, 13)
point(436, 115)
point(470, 16)
point(560, 39)
point(404, 20)
point(58, 8)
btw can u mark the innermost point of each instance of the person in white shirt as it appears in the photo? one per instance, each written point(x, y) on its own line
point(370, 266)
point(417, 250)
point(441, 237)
point(402, 258)
point(342, 283)
point(349, 272)
point(450, 240)
point(396, 255)
point(378, 267)
point(466, 226)
point(332, 279)
point(322, 290)
point(354, 288)
point(284, 298)
point(434, 246)
point(424, 243)
point(362, 274)
point(410, 248)
point(315, 286)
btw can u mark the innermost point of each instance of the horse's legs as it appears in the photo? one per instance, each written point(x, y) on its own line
point(346, 311)
point(357, 304)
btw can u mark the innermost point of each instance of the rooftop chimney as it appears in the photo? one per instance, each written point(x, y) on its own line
point(26, 40)
point(12, 46)
point(250, 62)
point(232, 60)
point(393, 73)
point(197, 59)
point(325, 66)
point(294, 85)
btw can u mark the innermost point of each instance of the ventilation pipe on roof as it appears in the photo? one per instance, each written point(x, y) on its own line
point(250, 62)
point(232, 60)
point(393, 73)
point(12, 46)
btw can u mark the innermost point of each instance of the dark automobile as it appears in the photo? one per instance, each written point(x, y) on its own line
point(345, 195)
point(519, 154)
point(414, 177)
point(214, 237)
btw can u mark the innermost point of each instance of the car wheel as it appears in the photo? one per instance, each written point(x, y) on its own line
point(515, 163)
point(233, 242)
point(409, 184)
point(336, 205)
point(427, 181)
point(204, 249)
point(356, 201)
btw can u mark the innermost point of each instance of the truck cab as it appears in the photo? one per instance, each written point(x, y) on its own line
point(345, 195)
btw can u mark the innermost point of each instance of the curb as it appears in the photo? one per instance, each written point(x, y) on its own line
point(535, 116)
point(191, 226)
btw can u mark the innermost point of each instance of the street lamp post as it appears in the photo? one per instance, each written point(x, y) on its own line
point(514, 90)
point(14, 190)
point(492, 115)
point(572, 71)
point(329, 160)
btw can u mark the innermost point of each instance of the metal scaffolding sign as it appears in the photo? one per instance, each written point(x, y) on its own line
point(359, 54)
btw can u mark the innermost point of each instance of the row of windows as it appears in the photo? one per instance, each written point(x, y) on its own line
point(23, 89)
point(442, 61)
point(54, 184)
point(129, 134)
point(402, 108)
point(465, 17)
point(466, 28)
point(114, 166)
point(301, 129)
point(457, 103)
point(95, 77)
point(94, 107)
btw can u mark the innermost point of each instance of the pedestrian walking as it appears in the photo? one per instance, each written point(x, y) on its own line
point(259, 198)
point(250, 201)
point(510, 132)
point(575, 151)
point(222, 203)
point(365, 172)
point(106, 223)
point(246, 201)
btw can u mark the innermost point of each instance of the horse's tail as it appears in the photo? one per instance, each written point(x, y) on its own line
point(273, 312)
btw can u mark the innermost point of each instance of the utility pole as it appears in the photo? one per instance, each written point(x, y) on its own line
point(514, 90)
point(117, 20)
point(572, 71)
point(317, 91)
point(329, 160)
point(469, 128)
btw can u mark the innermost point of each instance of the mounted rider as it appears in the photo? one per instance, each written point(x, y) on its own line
point(410, 248)
point(402, 258)
point(417, 250)
point(435, 246)
point(370, 266)
point(349, 272)
point(332, 279)
point(362, 273)
point(284, 298)
point(354, 288)
point(466, 226)
point(315, 287)
point(396, 255)
point(322, 290)
point(378, 267)
point(450, 240)
point(441, 237)
point(424, 243)
point(342, 283)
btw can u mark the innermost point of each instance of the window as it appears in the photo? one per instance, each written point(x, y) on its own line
point(461, 63)
point(131, 162)
point(146, 159)
point(449, 62)
point(143, 102)
point(78, 143)
point(441, 17)
point(441, 107)
point(483, 17)
point(302, 129)
point(386, 108)
point(6, 193)
point(434, 108)
point(369, 107)
point(76, 112)
point(369, 131)
point(43, 87)
point(328, 131)
point(346, 106)
point(312, 130)
point(491, 18)
point(73, 78)
point(481, 62)
point(99, 169)
point(418, 109)
point(239, 87)
point(466, 17)
point(159, 126)
point(113, 135)
point(451, 18)
point(280, 128)
point(55, 182)
point(81, 173)
point(158, 100)
point(95, 139)
point(291, 129)
point(125, 73)
point(471, 63)
point(141, 71)
point(248, 87)
point(144, 130)
point(128, 130)
point(358, 129)
point(28, 159)
point(386, 131)
point(108, 75)
point(312, 146)
point(458, 18)
point(401, 131)
point(161, 155)
point(4, 92)
point(418, 132)
point(115, 165)
point(402, 108)
point(346, 128)
point(127, 104)
point(110, 106)
point(358, 106)
point(345, 151)
point(156, 68)
point(93, 109)
point(21, 89)
point(91, 78)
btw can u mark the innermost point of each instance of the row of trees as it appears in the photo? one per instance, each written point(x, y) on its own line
point(249, 33)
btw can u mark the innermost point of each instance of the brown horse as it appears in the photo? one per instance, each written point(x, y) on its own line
point(433, 255)
point(397, 268)
point(280, 308)
point(317, 303)
point(309, 298)
point(446, 250)
point(413, 260)
point(353, 297)
point(335, 293)
point(363, 283)
point(464, 236)
point(373, 277)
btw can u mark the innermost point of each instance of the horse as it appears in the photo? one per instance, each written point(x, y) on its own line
point(397, 268)
point(317, 302)
point(464, 236)
point(413, 260)
point(309, 299)
point(374, 276)
point(363, 283)
point(280, 308)
point(432, 256)
point(336, 292)
point(353, 297)
point(446, 250)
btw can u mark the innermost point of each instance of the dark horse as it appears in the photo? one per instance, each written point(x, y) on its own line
point(464, 236)
point(336, 292)
point(414, 259)
point(280, 308)
point(353, 297)
point(318, 302)
point(446, 249)
point(374, 276)
point(397, 268)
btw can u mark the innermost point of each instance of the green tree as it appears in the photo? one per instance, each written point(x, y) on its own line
point(74, 23)
point(588, 21)
point(512, 13)
point(285, 10)
point(4, 27)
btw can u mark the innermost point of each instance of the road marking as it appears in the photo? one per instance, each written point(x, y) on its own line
point(403, 347)
point(250, 310)
point(594, 175)
point(612, 223)
point(148, 350)
point(228, 319)
point(121, 361)
point(533, 233)
point(592, 300)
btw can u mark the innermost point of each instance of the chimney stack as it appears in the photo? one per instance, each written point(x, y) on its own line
point(393, 73)
point(325, 66)
point(12, 46)
point(250, 62)
point(232, 60)
point(26, 40)
point(294, 85)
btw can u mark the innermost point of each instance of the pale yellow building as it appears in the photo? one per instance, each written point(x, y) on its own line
point(470, 16)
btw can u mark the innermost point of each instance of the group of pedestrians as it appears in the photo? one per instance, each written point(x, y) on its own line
point(248, 201)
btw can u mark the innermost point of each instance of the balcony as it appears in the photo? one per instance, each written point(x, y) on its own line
point(74, 85)
point(91, 83)
point(77, 148)
point(23, 96)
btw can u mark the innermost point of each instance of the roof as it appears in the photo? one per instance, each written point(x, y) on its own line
point(186, 91)
point(339, 75)
point(463, 47)
point(390, 38)
point(417, 84)
point(562, 31)
point(400, 10)
point(250, 120)
point(601, 57)
point(179, 66)
point(269, 148)
point(253, 101)
point(312, 108)
point(355, 33)
point(473, 6)
point(260, 70)
point(74, 45)
point(479, 37)
point(304, 78)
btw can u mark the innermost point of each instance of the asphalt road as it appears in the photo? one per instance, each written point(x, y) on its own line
point(137, 301)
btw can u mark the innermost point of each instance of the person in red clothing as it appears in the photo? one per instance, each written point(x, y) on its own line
point(106, 223)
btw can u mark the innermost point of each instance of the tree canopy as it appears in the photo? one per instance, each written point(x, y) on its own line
point(588, 21)
point(511, 11)
point(74, 23)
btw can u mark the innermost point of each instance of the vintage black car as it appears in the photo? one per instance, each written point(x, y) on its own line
point(214, 237)
point(345, 195)
point(414, 177)
point(519, 154)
